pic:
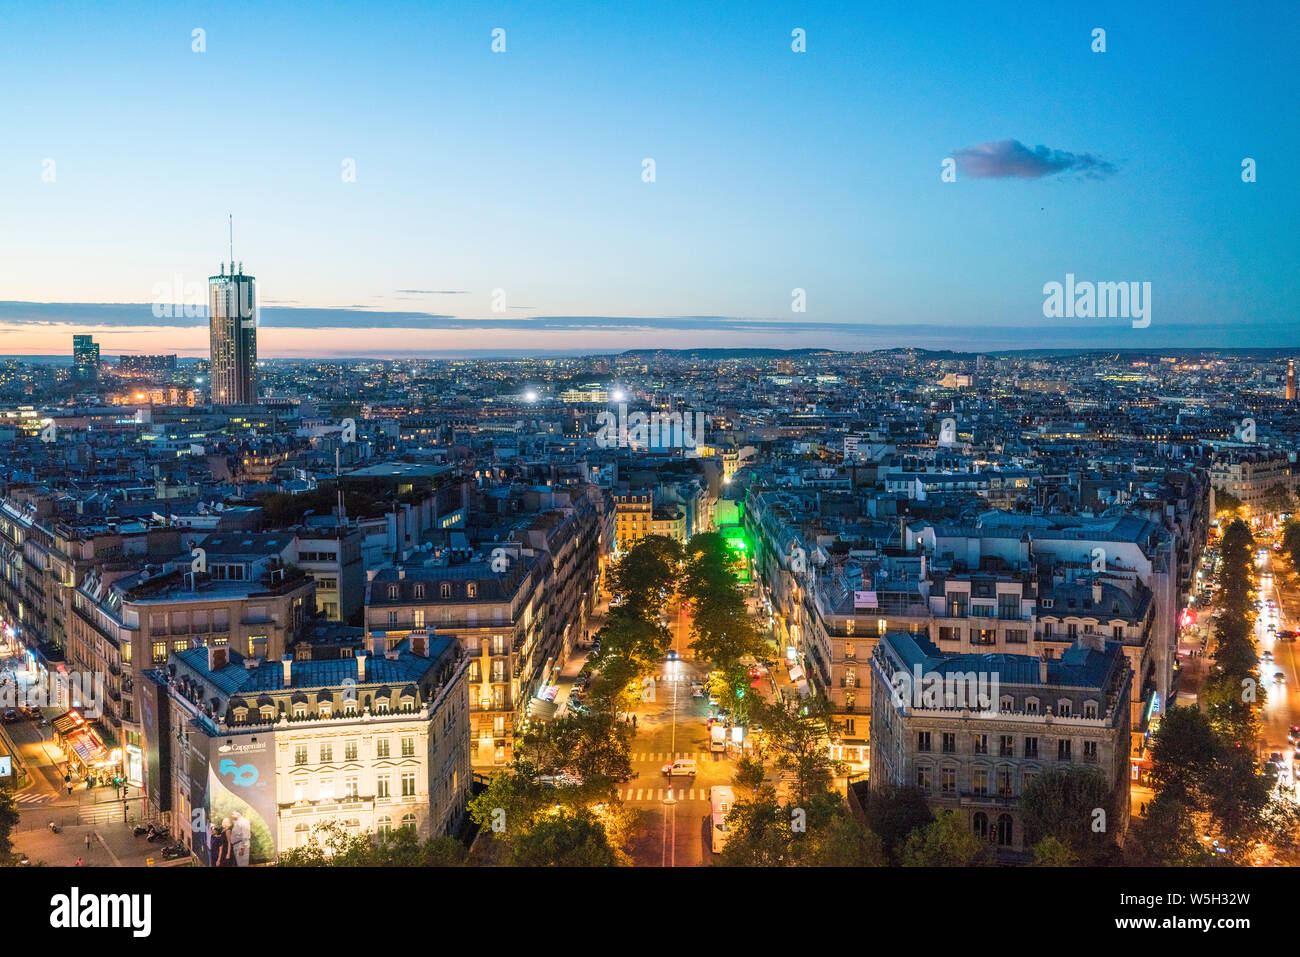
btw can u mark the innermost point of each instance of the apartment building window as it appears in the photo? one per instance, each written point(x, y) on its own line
point(445, 591)
point(408, 822)
point(850, 678)
point(1031, 706)
point(980, 743)
point(417, 618)
point(948, 781)
point(394, 591)
point(1027, 779)
point(383, 786)
point(980, 781)
point(848, 646)
point(471, 590)
point(350, 751)
point(381, 747)
point(1090, 709)
point(408, 784)
point(1090, 751)
point(326, 753)
point(1009, 606)
point(1017, 636)
point(949, 742)
point(159, 652)
point(350, 784)
point(1004, 782)
point(1063, 750)
point(498, 645)
point(417, 591)
point(499, 725)
point(1064, 708)
point(498, 670)
point(1031, 747)
point(384, 826)
point(848, 723)
point(949, 633)
point(958, 606)
point(1007, 745)
point(473, 672)
point(299, 789)
point(392, 618)
point(325, 789)
point(923, 780)
point(300, 755)
point(299, 710)
point(408, 747)
point(923, 741)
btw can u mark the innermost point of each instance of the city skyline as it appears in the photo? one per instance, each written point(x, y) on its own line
point(481, 200)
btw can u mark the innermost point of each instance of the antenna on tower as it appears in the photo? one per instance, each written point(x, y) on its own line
point(232, 241)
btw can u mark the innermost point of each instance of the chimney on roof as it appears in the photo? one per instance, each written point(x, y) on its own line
point(401, 574)
point(286, 662)
point(218, 657)
point(378, 644)
point(361, 665)
point(420, 643)
point(1042, 671)
point(1096, 591)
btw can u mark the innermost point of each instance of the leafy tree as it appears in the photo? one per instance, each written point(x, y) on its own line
point(565, 839)
point(749, 773)
point(895, 813)
point(797, 734)
point(1049, 852)
point(946, 842)
point(1166, 836)
point(8, 821)
point(1062, 804)
point(630, 634)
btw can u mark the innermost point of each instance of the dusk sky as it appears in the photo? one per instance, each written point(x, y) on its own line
point(522, 171)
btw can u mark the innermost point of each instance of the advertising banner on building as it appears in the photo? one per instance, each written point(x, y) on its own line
point(241, 780)
point(155, 753)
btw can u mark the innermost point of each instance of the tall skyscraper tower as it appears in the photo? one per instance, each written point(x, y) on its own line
point(1290, 380)
point(85, 359)
point(232, 334)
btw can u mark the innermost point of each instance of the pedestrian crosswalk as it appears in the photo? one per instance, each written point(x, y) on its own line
point(663, 757)
point(31, 799)
point(661, 794)
point(105, 813)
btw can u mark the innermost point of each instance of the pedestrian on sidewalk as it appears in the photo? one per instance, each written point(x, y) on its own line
point(78, 864)
point(87, 842)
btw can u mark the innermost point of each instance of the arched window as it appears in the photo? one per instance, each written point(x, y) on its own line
point(1005, 831)
point(980, 825)
point(1006, 703)
point(408, 821)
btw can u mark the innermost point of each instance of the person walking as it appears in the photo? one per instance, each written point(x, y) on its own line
point(87, 842)
point(78, 864)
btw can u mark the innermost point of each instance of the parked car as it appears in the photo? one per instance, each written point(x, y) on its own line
point(10, 716)
point(1294, 733)
point(682, 767)
point(31, 714)
point(1279, 677)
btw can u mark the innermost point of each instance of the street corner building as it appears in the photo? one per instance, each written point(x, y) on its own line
point(374, 739)
point(976, 757)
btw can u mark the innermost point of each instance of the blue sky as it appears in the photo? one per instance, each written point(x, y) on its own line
point(521, 171)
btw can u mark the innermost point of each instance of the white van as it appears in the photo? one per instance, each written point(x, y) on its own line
point(682, 767)
point(722, 798)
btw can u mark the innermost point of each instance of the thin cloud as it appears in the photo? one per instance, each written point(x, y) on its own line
point(1012, 159)
point(436, 292)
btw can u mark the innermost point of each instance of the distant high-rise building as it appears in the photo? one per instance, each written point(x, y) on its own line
point(85, 359)
point(232, 329)
point(1290, 380)
point(146, 365)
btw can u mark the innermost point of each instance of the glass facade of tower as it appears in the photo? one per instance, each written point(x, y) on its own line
point(85, 358)
point(232, 328)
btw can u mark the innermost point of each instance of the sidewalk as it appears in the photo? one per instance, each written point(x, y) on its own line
point(111, 845)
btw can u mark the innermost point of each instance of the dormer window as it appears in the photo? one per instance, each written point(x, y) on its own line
point(445, 591)
point(1090, 709)
point(418, 591)
point(1064, 708)
point(471, 589)
point(394, 591)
